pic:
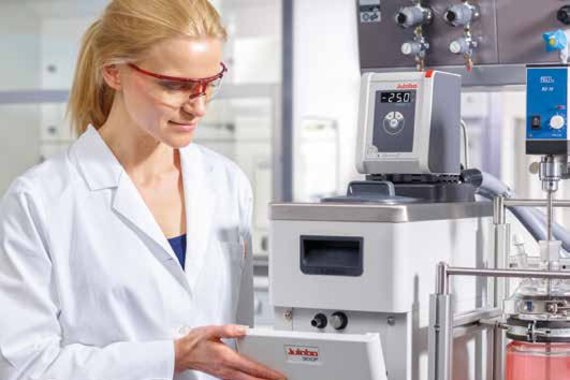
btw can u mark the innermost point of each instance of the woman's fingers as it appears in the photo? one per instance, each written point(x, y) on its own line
point(225, 331)
point(202, 350)
point(254, 369)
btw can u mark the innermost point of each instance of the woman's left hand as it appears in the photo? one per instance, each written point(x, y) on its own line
point(203, 350)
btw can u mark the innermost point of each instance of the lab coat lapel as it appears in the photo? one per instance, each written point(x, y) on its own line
point(102, 170)
point(200, 207)
point(129, 203)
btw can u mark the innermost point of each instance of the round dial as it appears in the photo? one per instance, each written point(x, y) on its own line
point(456, 47)
point(557, 122)
point(408, 48)
point(339, 320)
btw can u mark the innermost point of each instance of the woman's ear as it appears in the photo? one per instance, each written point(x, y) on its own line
point(112, 76)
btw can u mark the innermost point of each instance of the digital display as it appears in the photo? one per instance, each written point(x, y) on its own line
point(397, 96)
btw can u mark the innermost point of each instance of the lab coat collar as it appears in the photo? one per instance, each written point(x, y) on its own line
point(101, 170)
point(97, 164)
point(199, 199)
point(199, 203)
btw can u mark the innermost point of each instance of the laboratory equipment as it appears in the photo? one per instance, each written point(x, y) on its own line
point(538, 321)
point(535, 316)
point(415, 17)
point(409, 124)
point(305, 356)
point(363, 263)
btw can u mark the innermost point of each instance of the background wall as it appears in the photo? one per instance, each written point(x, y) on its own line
point(326, 86)
point(19, 69)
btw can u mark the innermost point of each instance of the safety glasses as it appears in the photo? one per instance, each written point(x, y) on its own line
point(181, 89)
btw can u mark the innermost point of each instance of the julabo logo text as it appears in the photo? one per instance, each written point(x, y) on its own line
point(407, 86)
point(302, 354)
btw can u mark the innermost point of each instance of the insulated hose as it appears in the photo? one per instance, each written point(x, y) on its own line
point(531, 218)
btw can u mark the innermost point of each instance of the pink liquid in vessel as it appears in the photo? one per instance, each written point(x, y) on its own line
point(538, 361)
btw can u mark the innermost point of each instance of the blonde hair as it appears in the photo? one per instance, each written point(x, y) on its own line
point(126, 31)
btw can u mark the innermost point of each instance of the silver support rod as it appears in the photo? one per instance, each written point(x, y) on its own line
point(502, 240)
point(440, 337)
point(499, 210)
point(520, 273)
point(535, 203)
point(440, 331)
point(498, 354)
point(444, 272)
point(442, 279)
point(549, 213)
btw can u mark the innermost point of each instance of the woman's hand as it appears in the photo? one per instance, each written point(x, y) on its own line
point(203, 350)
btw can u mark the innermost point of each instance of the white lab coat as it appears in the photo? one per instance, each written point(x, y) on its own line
point(90, 288)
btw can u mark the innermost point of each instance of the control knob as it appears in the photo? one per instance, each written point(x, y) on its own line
point(461, 14)
point(339, 320)
point(557, 122)
point(409, 17)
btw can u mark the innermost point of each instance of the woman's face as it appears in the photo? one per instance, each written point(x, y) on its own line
point(170, 110)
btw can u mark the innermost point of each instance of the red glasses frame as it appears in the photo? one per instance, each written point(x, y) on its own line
point(202, 82)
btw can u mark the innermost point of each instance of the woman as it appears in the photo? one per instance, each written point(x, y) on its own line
point(95, 282)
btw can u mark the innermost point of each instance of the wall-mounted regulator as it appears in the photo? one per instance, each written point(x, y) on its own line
point(416, 17)
point(463, 15)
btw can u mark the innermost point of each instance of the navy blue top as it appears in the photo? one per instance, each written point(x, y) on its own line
point(178, 244)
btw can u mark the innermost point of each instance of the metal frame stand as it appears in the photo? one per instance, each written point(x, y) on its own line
point(442, 323)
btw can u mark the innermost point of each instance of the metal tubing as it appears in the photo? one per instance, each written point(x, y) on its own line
point(441, 331)
point(502, 235)
point(499, 210)
point(549, 214)
point(442, 279)
point(483, 272)
point(440, 337)
point(502, 246)
point(502, 238)
point(287, 112)
point(535, 203)
point(498, 354)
